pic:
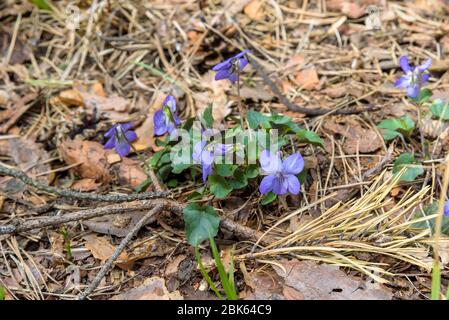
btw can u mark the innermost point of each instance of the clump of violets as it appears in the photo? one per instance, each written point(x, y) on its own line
point(165, 119)
point(120, 137)
point(281, 175)
point(230, 68)
point(414, 78)
point(446, 209)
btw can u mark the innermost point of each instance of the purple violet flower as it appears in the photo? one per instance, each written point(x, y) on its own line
point(120, 136)
point(205, 155)
point(446, 209)
point(228, 69)
point(165, 119)
point(281, 176)
point(414, 78)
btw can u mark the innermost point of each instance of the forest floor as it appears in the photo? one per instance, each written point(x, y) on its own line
point(69, 72)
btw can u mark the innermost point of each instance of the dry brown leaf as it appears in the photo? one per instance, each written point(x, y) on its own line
point(351, 9)
point(215, 94)
point(57, 246)
point(145, 132)
point(94, 164)
point(326, 282)
point(173, 266)
point(255, 10)
point(267, 286)
point(91, 96)
point(152, 289)
point(308, 78)
point(92, 155)
point(116, 225)
point(20, 51)
point(355, 135)
point(4, 97)
point(102, 249)
point(85, 184)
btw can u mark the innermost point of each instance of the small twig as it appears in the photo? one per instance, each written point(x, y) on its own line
point(294, 107)
point(108, 265)
point(79, 195)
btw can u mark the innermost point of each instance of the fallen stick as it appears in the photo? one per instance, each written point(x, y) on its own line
point(108, 265)
point(79, 195)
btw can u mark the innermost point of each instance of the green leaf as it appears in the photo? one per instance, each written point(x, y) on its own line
point(280, 119)
point(440, 109)
point(310, 137)
point(201, 222)
point(143, 186)
point(429, 210)
point(302, 176)
point(392, 128)
point(256, 118)
point(195, 195)
point(2, 293)
point(225, 170)
point(252, 171)
point(268, 198)
point(41, 4)
point(180, 167)
point(424, 95)
point(219, 186)
point(414, 168)
point(208, 119)
point(172, 183)
point(238, 180)
point(157, 157)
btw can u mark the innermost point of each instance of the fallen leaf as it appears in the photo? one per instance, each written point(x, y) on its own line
point(109, 224)
point(145, 132)
point(102, 249)
point(85, 184)
point(326, 282)
point(152, 289)
point(94, 164)
point(255, 10)
point(10, 116)
point(267, 286)
point(20, 52)
point(215, 94)
point(173, 266)
point(355, 135)
point(92, 155)
point(256, 93)
point(93, 96)
point(4, 97)
point(351, 9)
point(308, 78)
point(57, 246)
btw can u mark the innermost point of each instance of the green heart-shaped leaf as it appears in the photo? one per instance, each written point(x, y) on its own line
point(440, 109)
point(219, 186)
point(309, 137)
point(413, 167)
point(201, 223)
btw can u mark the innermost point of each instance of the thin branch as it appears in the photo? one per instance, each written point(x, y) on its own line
point(79, 195)
point(83, 215)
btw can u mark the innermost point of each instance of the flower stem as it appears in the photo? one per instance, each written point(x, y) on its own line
point(239, 102)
